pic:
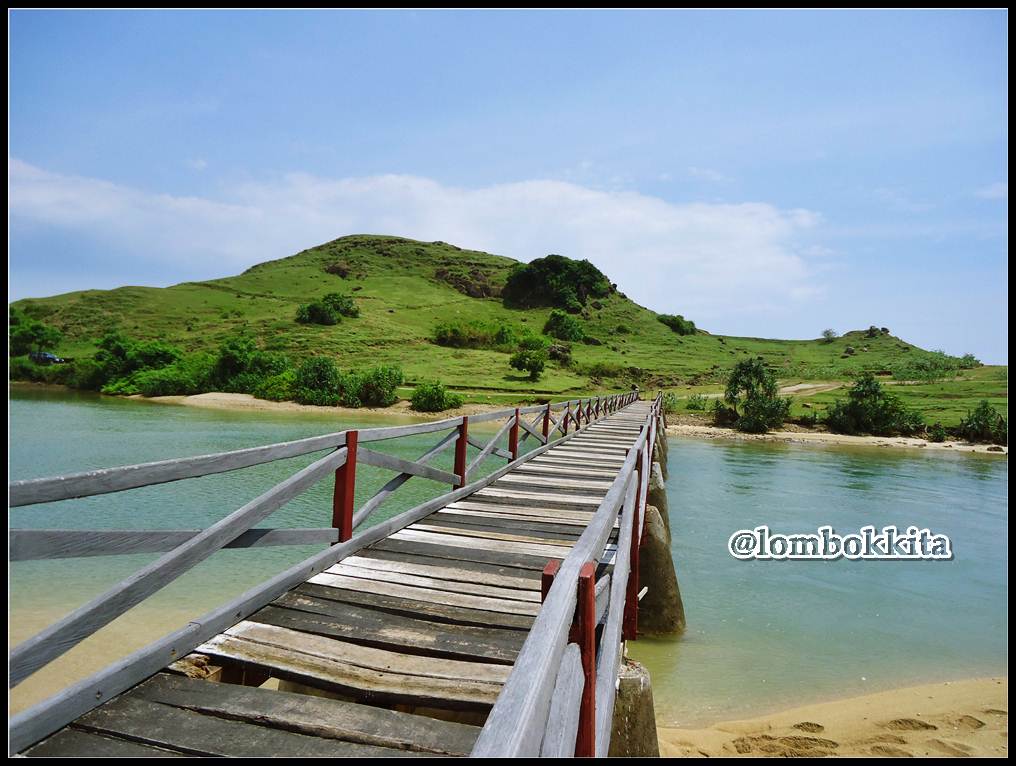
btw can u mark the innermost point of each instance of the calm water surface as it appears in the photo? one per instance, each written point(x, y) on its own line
point(761, 635)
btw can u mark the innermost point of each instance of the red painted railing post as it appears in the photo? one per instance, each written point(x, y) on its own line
point(578, 415)
point(546, 423)
point(513, 437)
point(585, 615)
point(597, 408)
point(564, 418)
point(345, 486)
point(460, 452)
point(547, 579)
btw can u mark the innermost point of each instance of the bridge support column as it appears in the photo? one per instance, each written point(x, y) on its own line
point(633, 731)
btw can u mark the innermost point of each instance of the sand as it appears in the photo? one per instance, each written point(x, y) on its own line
point(959, 718)
point(704, 431)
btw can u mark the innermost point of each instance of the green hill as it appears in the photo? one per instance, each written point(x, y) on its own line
point(404, 288)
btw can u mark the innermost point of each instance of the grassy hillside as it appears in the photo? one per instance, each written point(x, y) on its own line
point(404, 288)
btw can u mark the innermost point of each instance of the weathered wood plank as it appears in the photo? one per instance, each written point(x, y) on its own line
point(519, 514)
point(494, 532)
point(381, 460)
point(511, 576)
point(554, 483)
point(563, 719)
point(514, 496)
point(462, 541)
point(189, 732)
point(436, 549)
point(313, 716)
point(466, 600)
point(75, 743)
point(382, 630)
point(360, 670)
point(433, 583)
point(34, 544)
point(410, 607)
point(445, 572)
point(546, 526)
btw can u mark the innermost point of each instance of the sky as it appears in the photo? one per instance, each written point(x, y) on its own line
point(769, 174)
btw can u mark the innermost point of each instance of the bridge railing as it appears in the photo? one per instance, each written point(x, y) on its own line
point(186, 548)
point(559, 699)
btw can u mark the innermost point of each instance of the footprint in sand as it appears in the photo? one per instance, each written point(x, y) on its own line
point(950, 748)
point(888, 751)
point(907, 724)
point(996, 711)
point(885, 739)
point(810, 727)
point(764, 744)
point(966, 722)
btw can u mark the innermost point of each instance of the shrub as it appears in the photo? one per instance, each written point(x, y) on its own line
point(240, 366)
point(969, 362)
point(377, 387)
point(560, 353)
point(753, 386)
point(563, 326)
point(341, 304)
point(984, 424)
point(318, 381)
point(434, 397)
point(277, 388)
point(937, 433)
point(532, 361)
point(189, 375)
point(678, 323)
point(554, 281)
point(696, 402)
point(494, 335)
point(723, 415)
point(317, 312)
point(671, 402)
point(869, 409)
point(829, 335)
point(26, 335)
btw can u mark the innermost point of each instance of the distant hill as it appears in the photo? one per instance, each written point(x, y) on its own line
point(404, 288)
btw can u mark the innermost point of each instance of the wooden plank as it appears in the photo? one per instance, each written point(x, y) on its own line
point(466, 600)
point(490, 446)
point(494, 532)
point(437, 549)
point(474, 442)
point(563, 719)
point(410, 607)
point(513, 577)
point(514, 496)
point(314, 716)
point(106, 480)
point(34, 544)
point(564, 472)
point(158, 725)
point(554, 483)
point(391, 462)
point(433, 583)
point(444, 572)
point(572, 518)
point(75, 743)
point(546, 526)
point(69, 631)
point(360, 670)
point(381, 630)
point(533, 549)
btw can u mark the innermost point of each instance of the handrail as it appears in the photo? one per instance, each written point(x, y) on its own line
point(236, 529)
point(522, 720)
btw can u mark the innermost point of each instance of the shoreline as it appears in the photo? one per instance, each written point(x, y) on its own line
point(952, 718)
point(696, 430)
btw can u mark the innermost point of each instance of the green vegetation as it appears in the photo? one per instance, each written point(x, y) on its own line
point(554, 281)
point(27, 335)
point(434, 397)
point(870, 409)
point(327, 310)
point(696, 402)
point(562, 326)
point(753, 386)
point(531, 356)
point(678, 323)
point(476, 334)
point(984, 424)
point(829, 335)
point(404, 289)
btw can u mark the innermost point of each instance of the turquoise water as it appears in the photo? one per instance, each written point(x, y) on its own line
point(761, 635)
point(765, 635)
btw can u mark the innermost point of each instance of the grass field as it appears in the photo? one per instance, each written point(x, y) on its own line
point(403, 288)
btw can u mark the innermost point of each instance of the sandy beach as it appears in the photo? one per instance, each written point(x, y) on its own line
point(958, 718)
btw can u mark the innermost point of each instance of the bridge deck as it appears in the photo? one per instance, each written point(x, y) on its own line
point(401, 649)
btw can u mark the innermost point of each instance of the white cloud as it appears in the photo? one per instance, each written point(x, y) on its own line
point(996, 190)
point(197, 163)
point(704, 260)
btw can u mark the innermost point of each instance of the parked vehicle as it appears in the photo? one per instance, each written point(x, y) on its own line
point(44, 357)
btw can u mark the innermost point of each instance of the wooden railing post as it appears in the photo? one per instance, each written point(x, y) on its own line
point(513, 437)
point(564, 418)
point(460, 452)
point(345, 486)
point(630, 623)
point(585, 616)
point(547, 578)
point(578, 415)
point(546, 423)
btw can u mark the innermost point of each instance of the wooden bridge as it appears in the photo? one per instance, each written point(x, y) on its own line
point(488, 621)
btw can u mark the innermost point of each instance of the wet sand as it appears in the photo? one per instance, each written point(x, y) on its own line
point(958, 718)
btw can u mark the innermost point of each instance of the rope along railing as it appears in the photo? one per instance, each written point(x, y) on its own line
point(559, 699)
point(187, 548)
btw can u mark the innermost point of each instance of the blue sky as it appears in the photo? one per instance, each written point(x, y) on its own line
point(764, 173)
